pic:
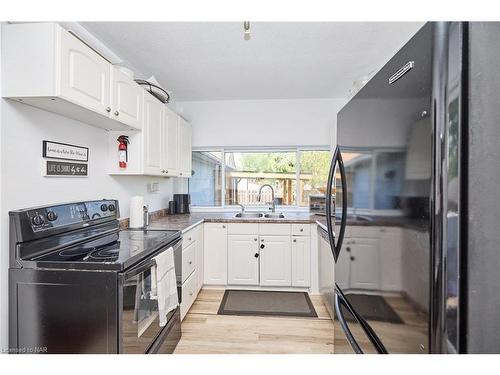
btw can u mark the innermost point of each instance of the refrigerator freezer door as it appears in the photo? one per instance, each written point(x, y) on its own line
point(385, 135)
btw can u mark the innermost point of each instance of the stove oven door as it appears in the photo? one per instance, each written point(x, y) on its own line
point(139, 320)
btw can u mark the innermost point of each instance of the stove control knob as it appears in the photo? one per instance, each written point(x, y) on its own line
point(51, 216)
point(104, 207)
point(111, 207)
point(37, 220)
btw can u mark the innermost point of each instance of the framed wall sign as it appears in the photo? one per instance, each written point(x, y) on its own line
point(64, 151)
point(66, 169)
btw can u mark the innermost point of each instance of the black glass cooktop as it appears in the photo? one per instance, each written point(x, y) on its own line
point(117, 250)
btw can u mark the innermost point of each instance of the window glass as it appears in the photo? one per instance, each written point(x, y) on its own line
point(247, 172)
point(314, 168)
point(358, 169)
point(205, 185)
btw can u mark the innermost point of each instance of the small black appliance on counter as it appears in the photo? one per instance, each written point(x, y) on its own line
point(182, 203)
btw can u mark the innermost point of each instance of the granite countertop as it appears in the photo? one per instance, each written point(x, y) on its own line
point(185, 222)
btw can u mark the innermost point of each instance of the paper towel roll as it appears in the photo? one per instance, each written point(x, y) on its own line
point(136, 212)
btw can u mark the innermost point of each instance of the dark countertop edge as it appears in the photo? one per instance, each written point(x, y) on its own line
point(196, 218)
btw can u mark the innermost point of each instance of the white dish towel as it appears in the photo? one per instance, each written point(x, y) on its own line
point(164, 284)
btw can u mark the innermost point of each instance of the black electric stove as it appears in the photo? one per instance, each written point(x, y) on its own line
point(79, 284)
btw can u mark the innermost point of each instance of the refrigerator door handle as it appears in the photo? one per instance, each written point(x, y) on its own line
point(345, 327)
point(337, 158)
point(374, 339)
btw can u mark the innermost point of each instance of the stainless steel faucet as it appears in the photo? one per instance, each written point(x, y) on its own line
point(242, 207)
point(272, 192)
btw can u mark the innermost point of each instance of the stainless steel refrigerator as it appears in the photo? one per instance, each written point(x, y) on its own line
point(414, 246)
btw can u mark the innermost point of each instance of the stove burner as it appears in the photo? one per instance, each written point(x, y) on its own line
point(74, 252)
point(110, 253)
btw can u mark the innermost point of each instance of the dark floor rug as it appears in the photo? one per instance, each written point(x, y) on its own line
point(373, 308)
point(252, 302)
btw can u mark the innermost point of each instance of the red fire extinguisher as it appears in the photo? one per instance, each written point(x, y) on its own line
point(122, 151)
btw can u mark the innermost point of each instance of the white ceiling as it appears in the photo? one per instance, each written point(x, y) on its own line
point(212, 61)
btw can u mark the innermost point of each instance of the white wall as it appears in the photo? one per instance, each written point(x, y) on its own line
point(282, 122)
point(22, 130)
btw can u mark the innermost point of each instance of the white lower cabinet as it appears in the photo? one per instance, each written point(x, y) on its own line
point(365, 264)
point(301, 261)
point(215, 254)
point(260, 255)
point(243, 259)
point(275, 261)
point(192, 267)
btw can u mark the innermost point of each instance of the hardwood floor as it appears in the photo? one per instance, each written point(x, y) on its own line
point(205, 332)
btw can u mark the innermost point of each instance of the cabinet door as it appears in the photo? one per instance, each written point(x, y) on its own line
point(242, 262)
point(275, 261)
point(365, 264)
point(84, 75)
point(301, 261)
point(152, 133)
point(126, 103)
point(215, 254)
point(185, 148)
point(171, 143)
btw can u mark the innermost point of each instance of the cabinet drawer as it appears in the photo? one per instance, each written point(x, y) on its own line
point(188, 293)
point(243, 228)
point(301, 229)
point(274, 229)
point(188, 261)
point(191, 236)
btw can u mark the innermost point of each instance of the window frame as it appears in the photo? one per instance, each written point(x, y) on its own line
point(223, 150)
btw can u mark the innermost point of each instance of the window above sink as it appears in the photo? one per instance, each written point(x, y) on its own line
point(224, 178)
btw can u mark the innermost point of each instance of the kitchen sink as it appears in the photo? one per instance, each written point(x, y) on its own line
point(249, 215)
point(274, 215)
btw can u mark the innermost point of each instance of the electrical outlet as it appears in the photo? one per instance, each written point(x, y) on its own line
point(153, 187)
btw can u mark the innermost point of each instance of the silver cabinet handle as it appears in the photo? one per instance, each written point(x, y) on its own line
point(108, 109)
point(117, 113)
point(189, 239)
point(255, 239)
point(223, 227)
point(301, 229)
point(166, 171)
point(295, 240)
point(190, 262)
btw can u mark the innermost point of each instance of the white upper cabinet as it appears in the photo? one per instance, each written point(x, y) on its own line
point(85, 77)
point(171, 143)
point(158, 148)
point(152, 135)
point(126, 99)
point(45, 66)
point(185, 148)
